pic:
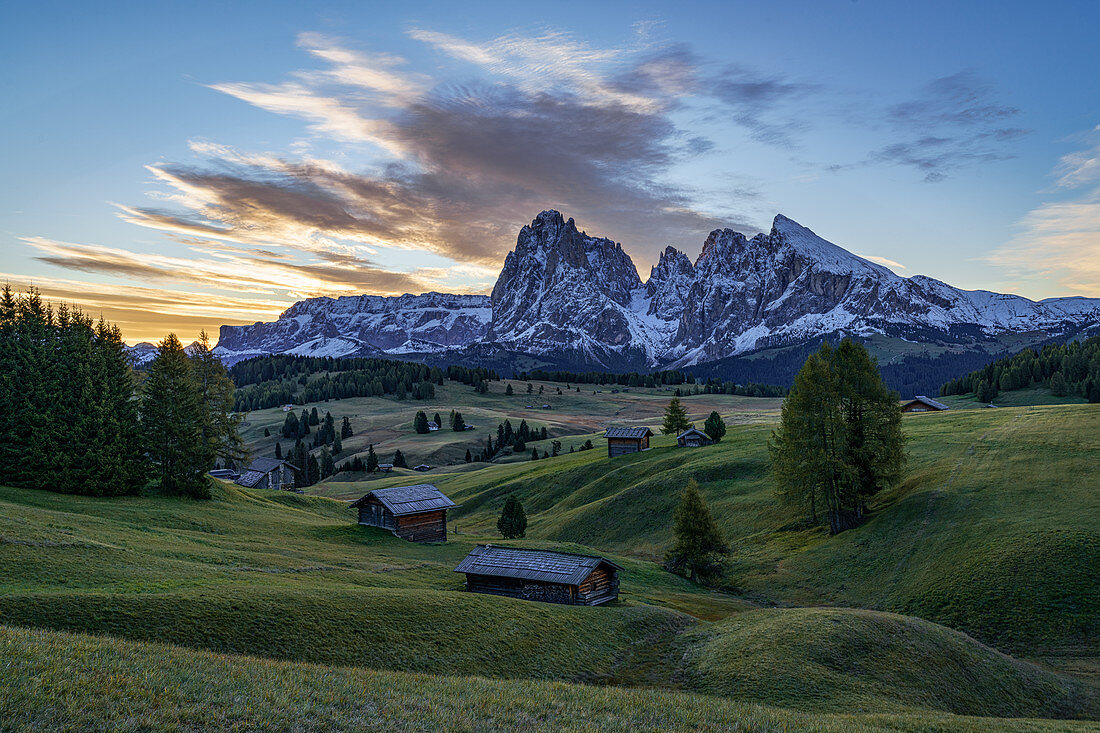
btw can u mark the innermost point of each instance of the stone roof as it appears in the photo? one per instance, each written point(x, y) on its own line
point(541, 565)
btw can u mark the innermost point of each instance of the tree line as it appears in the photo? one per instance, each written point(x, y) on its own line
point(1071, 368)
point(269, 381)
point(78, 421)
point(630, 379)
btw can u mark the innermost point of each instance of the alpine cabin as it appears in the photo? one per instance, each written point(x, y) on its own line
point(626, 440)
point(541, 575)
point(269, 473)
point(920, 403)
point(415, 513)
point(693, 438)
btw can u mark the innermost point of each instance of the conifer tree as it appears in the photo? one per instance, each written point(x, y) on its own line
point(839, 439)
point(420, 422)
point(173, 422)
point(278, 450)
point(458, 424)
point(714, 427)
point(399, 459)
point(345, 428)
point(337, 445)
point(221, 438)
point(509, 391)
point(676, 420)
point(314, 470)
point(534, 454)
point(372, 459)
point(1058, 384)
point(469, 458)
point(700, 547)
point(437, 420)
point(314, 418)
point(290, 425)
point(513, 520)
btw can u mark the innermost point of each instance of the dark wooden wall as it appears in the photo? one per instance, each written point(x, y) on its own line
point(600, 587)
point(423, 527)
point(620, 446)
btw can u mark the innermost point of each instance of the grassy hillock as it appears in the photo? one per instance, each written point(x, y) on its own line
point(988, 533)
point(828, 659)
point(57, 681)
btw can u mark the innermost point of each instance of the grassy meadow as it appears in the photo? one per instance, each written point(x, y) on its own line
point(962, 604)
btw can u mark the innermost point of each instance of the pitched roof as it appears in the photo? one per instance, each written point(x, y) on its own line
point(693, 431)
point(267, 465)
point(928, 401)
point(250, 478)
point(542, 565)
point(637, 433)
point(403, 500)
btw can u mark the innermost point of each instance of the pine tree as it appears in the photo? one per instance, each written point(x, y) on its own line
point(337, 445)
point(314, 470)
point(839, 440)
point(267, 432)
point(469, 458)
point(458, 424)
point(513, 520)
point(519, 446)
point(420, 422)
point(714, 427)
point(700, 547)
point(345, 428)
point(278, 450)
point(534, 454)
point(290, 425)
point(173, 422)
point(1058, 384)
point(221, 438)
point(399, 459)
point(509, 391)
point(676, 420)
point(314, 418)
point(372, 459)
point(436, 419)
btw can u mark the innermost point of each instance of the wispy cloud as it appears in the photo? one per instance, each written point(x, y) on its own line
point(1059, 242)
point(955, 122)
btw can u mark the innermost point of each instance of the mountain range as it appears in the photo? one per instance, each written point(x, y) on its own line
point(565, 299)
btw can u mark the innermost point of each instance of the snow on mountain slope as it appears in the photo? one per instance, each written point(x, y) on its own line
point(363, 325)
point(567, 295)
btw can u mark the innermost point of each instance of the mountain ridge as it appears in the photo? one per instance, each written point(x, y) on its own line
point(564, 296)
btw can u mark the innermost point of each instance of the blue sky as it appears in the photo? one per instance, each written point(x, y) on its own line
point(180, 166)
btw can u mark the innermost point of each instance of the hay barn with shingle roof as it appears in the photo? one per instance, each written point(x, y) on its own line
point(416, 513)
point(541, 575)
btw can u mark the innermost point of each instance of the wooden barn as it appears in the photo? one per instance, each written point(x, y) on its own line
point(626, 440)
point(920, 403)
point(693, 438)
point(268, 473)
point(415, 513)
point(541, 575)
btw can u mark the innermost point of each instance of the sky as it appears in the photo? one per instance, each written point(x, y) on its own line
point(179, 166)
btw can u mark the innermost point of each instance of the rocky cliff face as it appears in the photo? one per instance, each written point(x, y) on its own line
point(567, 295)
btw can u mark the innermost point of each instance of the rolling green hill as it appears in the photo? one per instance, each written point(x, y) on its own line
point(992, 534)
point(988, 534)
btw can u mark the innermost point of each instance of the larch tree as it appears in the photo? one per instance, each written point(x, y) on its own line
point(700, 548)
point(839, 439)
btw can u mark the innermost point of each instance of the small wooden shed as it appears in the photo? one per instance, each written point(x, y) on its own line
point(627, 440)
point(920, 403)
point(268, 473)
point(541, 575)
point(415, 513)
point(693, 438)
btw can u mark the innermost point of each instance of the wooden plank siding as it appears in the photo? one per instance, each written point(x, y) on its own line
point(429, 526)
point(621, 446)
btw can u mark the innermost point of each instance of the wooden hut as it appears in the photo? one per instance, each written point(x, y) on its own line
point(415, 513)
point(269, 473)
point(920, 403)
point(626, 440)
point(693, 438)
point(541, 575)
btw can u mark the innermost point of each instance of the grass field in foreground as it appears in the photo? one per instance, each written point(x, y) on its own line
point(61, 682)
